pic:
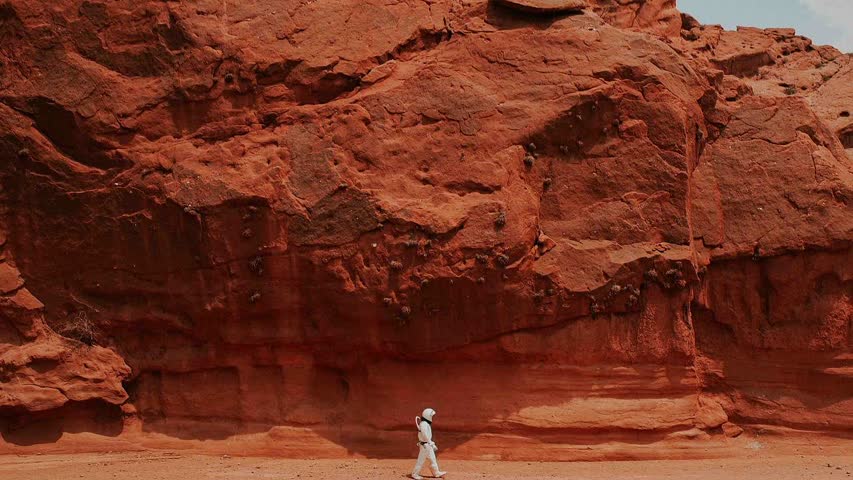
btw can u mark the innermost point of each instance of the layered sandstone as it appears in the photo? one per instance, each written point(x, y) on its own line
point(607, 233)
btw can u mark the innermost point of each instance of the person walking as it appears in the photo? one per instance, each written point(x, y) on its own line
point(426, 445)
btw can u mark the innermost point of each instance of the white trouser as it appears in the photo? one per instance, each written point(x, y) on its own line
point(426, 452)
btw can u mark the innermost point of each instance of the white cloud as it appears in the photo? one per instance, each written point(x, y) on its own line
point(837, 14)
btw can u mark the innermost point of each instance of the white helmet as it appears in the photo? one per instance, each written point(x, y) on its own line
point(428, 413)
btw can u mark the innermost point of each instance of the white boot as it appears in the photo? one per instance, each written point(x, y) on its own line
point(415, 476)
point(440, 474)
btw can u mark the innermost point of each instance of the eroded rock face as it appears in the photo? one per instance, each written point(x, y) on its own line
point(42, 370)
point(659, 17)
point(545, 6)
point(307, 220)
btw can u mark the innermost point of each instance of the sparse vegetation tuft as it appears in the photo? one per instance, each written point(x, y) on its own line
point(79, 327)
point(256, 265)
point(502, 260)
point(500, 220)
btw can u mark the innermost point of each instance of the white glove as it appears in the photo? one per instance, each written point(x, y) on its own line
point(434, 446)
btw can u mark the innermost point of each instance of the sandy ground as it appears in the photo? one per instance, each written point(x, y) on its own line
point(172, 465)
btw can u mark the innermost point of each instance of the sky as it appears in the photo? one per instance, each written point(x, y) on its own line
point(826, 22)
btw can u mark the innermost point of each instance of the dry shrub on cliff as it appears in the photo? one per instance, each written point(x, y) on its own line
point(502, 260)
point(256, 265)
point(500, 220)
point(79, 327)
point(7, 370)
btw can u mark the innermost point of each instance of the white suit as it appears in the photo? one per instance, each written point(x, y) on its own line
point(426, 445)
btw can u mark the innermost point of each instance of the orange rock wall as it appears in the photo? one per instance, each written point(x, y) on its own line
point(615, 234)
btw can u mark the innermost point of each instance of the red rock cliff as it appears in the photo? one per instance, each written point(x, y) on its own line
point(301, 222)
